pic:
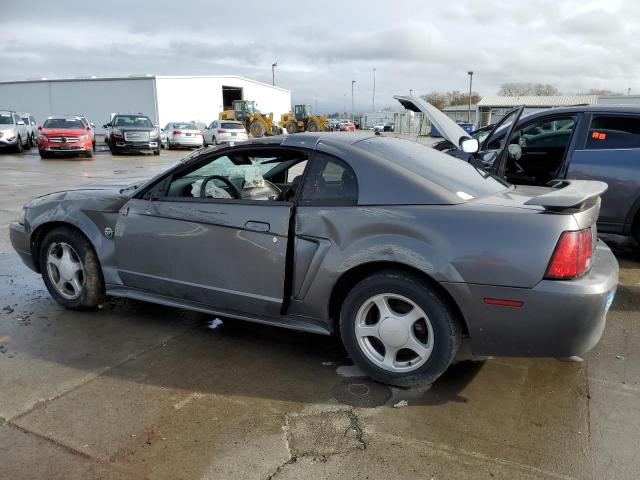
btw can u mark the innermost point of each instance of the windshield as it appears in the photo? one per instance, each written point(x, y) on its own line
point(457, 176)
point(132, 121)
point(63, 123)
point(232, 126)
point(6, 119)
point(26, 120)
point(185, 126)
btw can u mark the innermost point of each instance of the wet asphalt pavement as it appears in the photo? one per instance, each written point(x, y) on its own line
point(142, 391)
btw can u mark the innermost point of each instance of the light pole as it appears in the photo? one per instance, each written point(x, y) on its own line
point(410, 91)
point(353, 82)
point(344, 104)
point(373, 101)
point(470, 85)
point(273, 73)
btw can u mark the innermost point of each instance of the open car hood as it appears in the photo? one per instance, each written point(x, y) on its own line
point(449, 129)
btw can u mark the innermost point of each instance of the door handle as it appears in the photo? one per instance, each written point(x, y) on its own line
point(257, 226)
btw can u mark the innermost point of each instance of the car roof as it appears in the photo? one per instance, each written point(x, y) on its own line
point(588, 109)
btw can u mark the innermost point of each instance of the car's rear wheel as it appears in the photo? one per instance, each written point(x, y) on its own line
point(19, 145)
point(29, 142)
point(71, 270)
point(398, 329)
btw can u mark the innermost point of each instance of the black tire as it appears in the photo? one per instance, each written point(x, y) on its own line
point(19, 145)
point(156, 152)
point(291, 128)
point(29, 143)
point(313, 126)
point(89, 154)
point(257, 129)
point(443, 318)
point(93, 292)
point(44, 154)
point(93, 145)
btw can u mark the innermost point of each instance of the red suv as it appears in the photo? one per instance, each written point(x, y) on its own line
point(61, 135)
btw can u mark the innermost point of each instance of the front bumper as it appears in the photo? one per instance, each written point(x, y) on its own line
point(124, 146)
point(557, 318)
point(21, 242)
point(4, 142)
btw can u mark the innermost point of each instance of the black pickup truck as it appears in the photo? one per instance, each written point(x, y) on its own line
point(132, 133)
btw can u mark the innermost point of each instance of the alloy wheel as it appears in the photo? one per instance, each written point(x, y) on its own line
point(65, 270)
point(394, 333)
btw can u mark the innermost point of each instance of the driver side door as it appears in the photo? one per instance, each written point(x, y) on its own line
point(225, 253)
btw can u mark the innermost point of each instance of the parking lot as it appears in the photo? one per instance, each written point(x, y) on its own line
point(136, 390)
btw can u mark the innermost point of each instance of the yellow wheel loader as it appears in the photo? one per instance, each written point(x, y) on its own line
point(302, 119)
point(256, 123)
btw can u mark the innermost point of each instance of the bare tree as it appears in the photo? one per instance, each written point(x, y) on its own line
point(599, 91)
point(514, 89)
point(518, 89)
point(441, 100)
point(544, 89)
point(437, 99)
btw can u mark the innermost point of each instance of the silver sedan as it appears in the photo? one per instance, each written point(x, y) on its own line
point(182, 134)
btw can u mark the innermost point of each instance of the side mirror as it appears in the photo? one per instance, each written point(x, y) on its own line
point(39, 127)
point(109, 124)
point(20, 122)
point(469, 145)
point(92, 125)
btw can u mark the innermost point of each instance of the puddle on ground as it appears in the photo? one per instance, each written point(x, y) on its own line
point(361, 392)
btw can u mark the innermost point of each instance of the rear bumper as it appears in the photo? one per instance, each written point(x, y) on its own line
point(21, 242)
point(221, 139)
point(186, 141)
point(557, 318)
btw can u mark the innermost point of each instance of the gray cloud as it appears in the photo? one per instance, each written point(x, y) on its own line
point(321, 47)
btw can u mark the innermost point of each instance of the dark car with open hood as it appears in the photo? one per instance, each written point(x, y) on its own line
point(403, 250)
point(588, 142)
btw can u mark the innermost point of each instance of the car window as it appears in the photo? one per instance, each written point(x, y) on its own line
point(607, 132)
point(255, 175)
point(6, 119)
point(232, 126)
point(185, 126)
point(132, 121)
point(552, 133)
point(26, 120)
point(63, 123)
point(329, 180)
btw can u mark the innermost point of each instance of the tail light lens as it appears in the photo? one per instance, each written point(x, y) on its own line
point(222, 131)
point(177, 132)
point(572, 256)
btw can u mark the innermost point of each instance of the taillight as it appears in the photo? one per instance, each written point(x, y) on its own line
point(177, 132)
point(222, 131)
point(572, 256)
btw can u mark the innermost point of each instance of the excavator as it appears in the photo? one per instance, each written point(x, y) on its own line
point(256, 123)
point(302, 119)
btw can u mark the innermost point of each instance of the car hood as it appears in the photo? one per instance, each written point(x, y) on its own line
point(8, 127)
point(104, 196)
point(449, 129)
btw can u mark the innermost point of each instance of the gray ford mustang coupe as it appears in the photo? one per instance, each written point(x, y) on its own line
point(401, 249)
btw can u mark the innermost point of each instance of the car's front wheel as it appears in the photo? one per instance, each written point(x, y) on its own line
point(398, 329)
point(71, 270)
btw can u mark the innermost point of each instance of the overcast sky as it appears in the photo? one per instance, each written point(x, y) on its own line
point(321, 46)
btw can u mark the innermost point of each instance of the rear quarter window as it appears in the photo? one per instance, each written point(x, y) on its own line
point(457, 176)
point(611, 132)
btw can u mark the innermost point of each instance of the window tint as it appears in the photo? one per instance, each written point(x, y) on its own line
point(331, 180)
point(63, 123)
point(614, 132)
point(457, 176)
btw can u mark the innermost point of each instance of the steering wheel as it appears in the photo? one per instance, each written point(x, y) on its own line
point(233, 191)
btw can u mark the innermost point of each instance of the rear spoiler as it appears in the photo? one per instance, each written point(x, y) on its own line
point(569, 194)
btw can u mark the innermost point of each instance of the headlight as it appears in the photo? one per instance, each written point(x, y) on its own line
point(44, 138)
point(10, 133)
point(116, 132)
point(84, 137)
point(153, 134)
point(22, 220)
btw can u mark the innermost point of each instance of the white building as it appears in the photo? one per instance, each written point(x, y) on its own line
point(162, 98)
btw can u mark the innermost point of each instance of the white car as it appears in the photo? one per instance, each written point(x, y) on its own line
point(13, 132)
point(378, 128)
point(225, 131)
point(182, 134)
point(30, 123)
